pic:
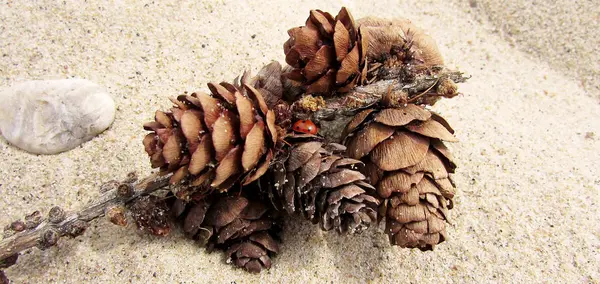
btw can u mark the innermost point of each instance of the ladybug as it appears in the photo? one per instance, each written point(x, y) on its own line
point(305, 126)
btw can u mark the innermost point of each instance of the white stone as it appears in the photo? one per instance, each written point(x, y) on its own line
point(52, 116)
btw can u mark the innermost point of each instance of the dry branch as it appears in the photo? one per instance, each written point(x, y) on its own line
point(43, 233)
point(337, 111)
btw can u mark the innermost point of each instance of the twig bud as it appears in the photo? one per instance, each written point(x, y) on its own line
point(33, 220)
point(125, 190)
point(447, 88)
point(49, 239)
point(131, 178)
point(18, 226)
point(56, 215)
point(76, 229)
point(116, 215)
point(108, 186)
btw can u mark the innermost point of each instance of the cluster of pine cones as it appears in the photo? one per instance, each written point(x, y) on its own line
point(240, 157)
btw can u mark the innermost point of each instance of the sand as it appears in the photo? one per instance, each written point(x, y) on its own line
point(529, 186)
point(560, 32)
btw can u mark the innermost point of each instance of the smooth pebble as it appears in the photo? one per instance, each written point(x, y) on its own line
point(53, 116)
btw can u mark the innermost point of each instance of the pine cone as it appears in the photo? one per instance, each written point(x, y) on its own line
point(399, 40)
point(246, 229)
point(315, 180)
point(219, 139)
point(327, 54)
point(409, 166)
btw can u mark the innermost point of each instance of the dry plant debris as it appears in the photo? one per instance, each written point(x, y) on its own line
point(231, 166)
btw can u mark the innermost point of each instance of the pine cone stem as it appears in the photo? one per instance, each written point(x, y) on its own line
point(38, 231)
point(339, 110)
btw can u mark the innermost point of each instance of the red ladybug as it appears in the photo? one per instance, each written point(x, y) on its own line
point(305, 126)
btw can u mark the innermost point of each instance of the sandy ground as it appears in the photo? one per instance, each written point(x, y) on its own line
point(560, 32)
point(527, 209)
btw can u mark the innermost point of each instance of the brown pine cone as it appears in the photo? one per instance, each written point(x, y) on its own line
point(215, 140)
point(327, 54)
point(244, 228)
point(409, 166)
point(314, 179)
point(399, 41)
